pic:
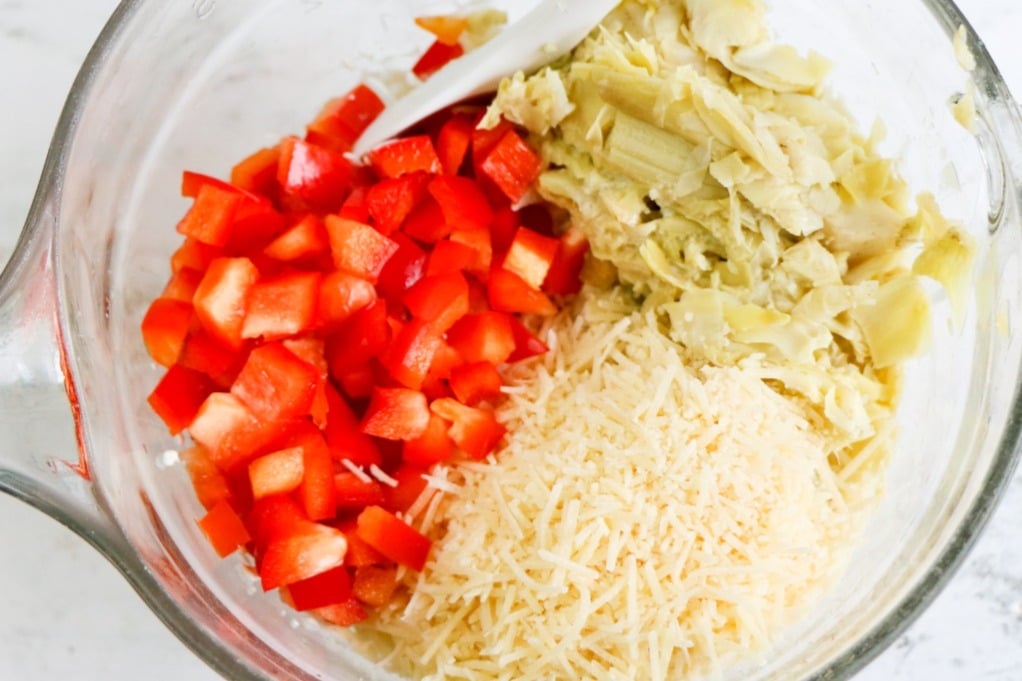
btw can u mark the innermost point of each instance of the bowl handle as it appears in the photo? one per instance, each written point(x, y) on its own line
point(39, 420)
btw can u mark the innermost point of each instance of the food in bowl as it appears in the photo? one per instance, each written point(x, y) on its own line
point(695, 437)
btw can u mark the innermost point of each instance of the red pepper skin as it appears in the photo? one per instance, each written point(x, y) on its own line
point(394, 538)
point(436, 57)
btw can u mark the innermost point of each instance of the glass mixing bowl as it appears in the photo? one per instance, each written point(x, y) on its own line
point(174, 85)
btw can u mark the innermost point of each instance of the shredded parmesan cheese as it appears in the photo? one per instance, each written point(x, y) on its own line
point(646, 520)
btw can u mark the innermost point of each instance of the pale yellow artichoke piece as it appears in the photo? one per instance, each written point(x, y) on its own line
point(898, 326)
point(949, 261)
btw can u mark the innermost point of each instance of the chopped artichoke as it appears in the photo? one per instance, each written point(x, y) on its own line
point(897, 326)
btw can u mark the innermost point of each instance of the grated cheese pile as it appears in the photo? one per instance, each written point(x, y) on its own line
point(646, 521)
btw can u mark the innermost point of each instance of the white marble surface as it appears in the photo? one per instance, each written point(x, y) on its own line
point(65, 614)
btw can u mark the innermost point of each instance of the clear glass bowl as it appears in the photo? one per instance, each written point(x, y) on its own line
point(198, 85)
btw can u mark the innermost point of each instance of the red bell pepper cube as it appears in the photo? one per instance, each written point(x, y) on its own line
point(283, 306)
point(210, 485)
point(441, 299)
point(224, 529)
point(531, 256)
point(359, 339)
point(164, 328)
point(312, 351)
point(479, 241)
point(273, 517)
point(426, 222)
point(474, 383)
point(193, 182)
point(505, 224)
point(344, 437)
point(527, 345)
point(432, 447)
point(256, 224)
point(512, 165)
point(396, 414)
point(194, 255)
point(343, 120)
point(345, 614)
point(450, 256)
point(357, 248)
point(394, 538)
point(463, 203)
point(453, 142)
point(565, 275)
point(410, 355)
point(360, 553)
point(205, 354)
point(353, 493)
point(275, 384)
point(182, 285)
point(507, 292)
point(279, 472)
point(374, 585)
point(405, 155)
point(316, 488)
point(341, 295)
point(476, 432)
point(228, 430)
point(483, 337)
point(258, 173)
point(411, 483)
point(313, 177)
point(436, 57)
point(330, 588)
point(356, 206)
point(304, 240)
point(179, 395)
point(211, 217)
point(308, 550)
point(447, 28)
point(222, 298)
point(406, 267)
point(391, 201)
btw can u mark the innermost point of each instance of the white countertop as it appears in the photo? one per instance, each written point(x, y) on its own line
point(66, 614)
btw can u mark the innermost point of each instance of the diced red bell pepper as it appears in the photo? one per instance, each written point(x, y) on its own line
point(410, 354)
point(211, 217)
point(505, 223)
point(479, 241)
point(359, 552)
point(308, 550)
point(193, 182)
point(179, 395)
point(483, 337)
point(447, 28)
point(304, 240)
point(205, 354)
point(341, 295)
point(194, 255)
point(222, 298)
point(312, 351)
point(405, 155)
point(396, 414)
point(182, 285)
point(564, 277)
point(210, 485)
point(258, 173)
point(344, 437)
point(224, 529)
point(531, 256)
point(316, 490)
point(512, 165)
point(273, 517)
point(275, 384)
point(441, 299)
point(444, 362)
point(426, 222)
point(357, 248)
point(406, 267)
point(474, 383)
point(353, 493)
point(538, 218)
point(483, 142)
point(391, 201)
point(509, 293)
point(343, 120)
point(432, 447)
point(436, 57)
point(345, 614)
point(410, 486)
point(450, 256)
point(228, 430)
point(453, 142)
point(330, 588)
point(256, 224)
point(476, 432)
point(356, 206)
point(313, 177)
point(164, 328)
point(463, 203)
point(359, 339)
point(276, 473)
point(394, 538)
point(283, 306)
point(527, 345)
point(374, 585)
